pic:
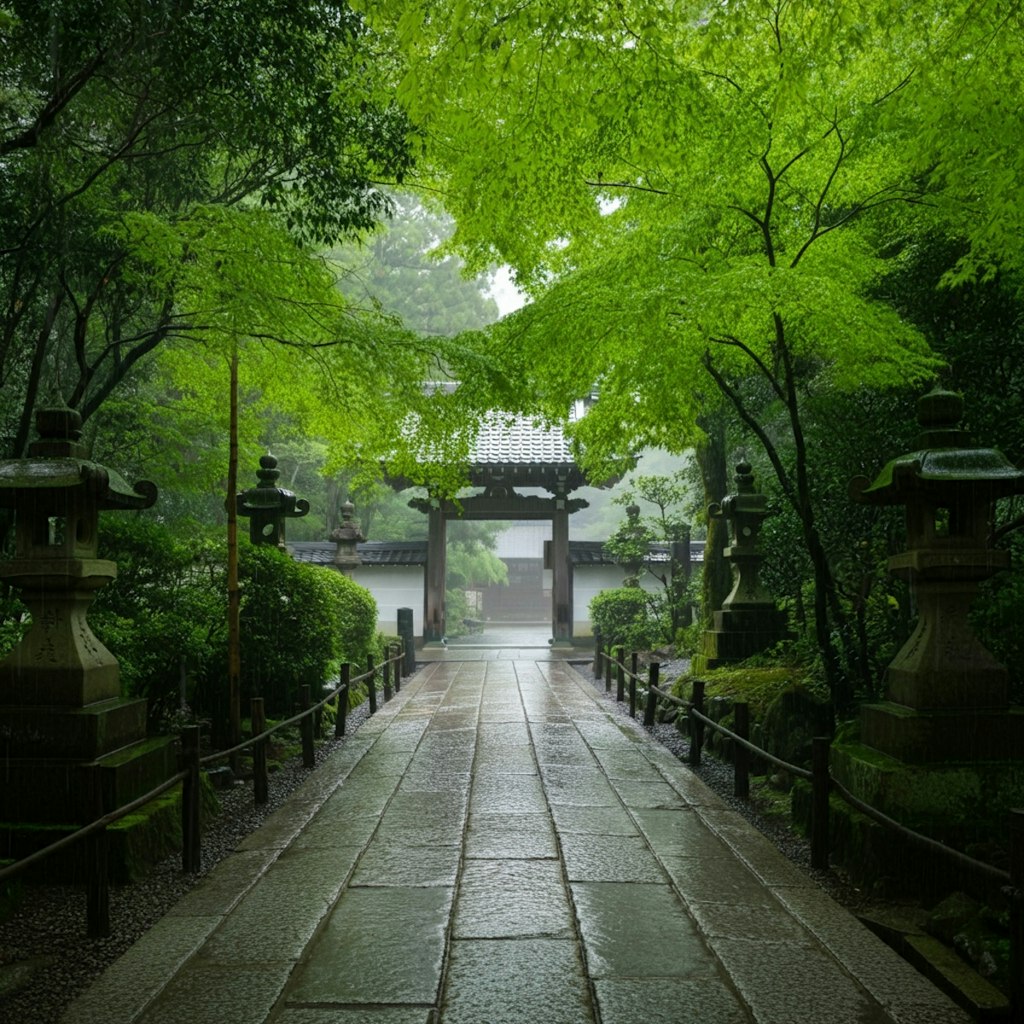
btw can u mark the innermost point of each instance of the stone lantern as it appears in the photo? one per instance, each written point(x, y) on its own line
point(947, 695)
point(267, 506)
point(748, 621)
point(346, 537)
point(60, 700)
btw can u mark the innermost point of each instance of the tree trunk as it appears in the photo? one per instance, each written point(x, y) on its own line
point(234, 597)
point(711, 460)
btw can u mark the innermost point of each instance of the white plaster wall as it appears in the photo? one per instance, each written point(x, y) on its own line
point(394, 587)
point(590, 580)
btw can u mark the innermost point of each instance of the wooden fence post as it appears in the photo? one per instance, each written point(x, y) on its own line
point(306, 729)
point(260, 782)
point(191, 840)
point(371, 683)
point(819, 801)
point(651, 704)
point(741, 756)
point(1017, 915)
point(620, 676)
point(696, 727)
point(97, 893)
point(341, 711)
point(399, 658)
point(597, 656)
point(385, 674)
point(608, 670)
point(633, 667)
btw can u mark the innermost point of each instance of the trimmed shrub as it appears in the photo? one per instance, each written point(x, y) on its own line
point(163, 615)
point(298, 623)
point(625, 617)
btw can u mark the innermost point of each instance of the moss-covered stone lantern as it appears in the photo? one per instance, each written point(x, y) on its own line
point(943, 672)
point(267, 506)
point(60, 697)
point(943, 753)
point(748, 621)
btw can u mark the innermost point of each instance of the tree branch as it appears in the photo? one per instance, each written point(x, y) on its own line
point(61, 97)
point(755, 427)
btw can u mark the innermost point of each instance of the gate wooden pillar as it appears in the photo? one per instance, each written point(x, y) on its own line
point(561, 575)
point(433, 596)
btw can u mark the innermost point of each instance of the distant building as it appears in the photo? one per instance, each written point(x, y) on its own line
point(394, 572)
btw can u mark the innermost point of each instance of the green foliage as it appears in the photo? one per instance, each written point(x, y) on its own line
point(625, 617)
point(163, 616)
point(400, 269)
point(997, 615)
point(14, 620)
point(154, 157)
point(470, 564)
point(456, 611)
point(630, 545)
point(298, 623)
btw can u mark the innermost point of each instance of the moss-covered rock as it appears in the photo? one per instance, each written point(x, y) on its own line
point(791, 721)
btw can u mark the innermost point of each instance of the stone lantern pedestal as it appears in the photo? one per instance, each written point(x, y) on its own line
point(748, 621)
point(70, 742)
point(944, 751)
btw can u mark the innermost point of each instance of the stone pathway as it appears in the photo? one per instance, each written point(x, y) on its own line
point(494, 846)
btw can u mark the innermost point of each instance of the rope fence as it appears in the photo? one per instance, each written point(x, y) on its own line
point(190, 767)
point(823, 785)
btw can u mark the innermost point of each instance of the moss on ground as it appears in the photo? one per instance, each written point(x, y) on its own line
point(758, 686)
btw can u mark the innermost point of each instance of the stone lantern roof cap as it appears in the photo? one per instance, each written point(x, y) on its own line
point(57, 460)
point(945, 464)
point(266, 496)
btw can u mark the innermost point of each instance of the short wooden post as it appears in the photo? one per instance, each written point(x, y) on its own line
point(97, 893)
point(191, 840)
point(371, 683)
point(260, 781)
point(405, 631)
point(399, 658)
point(620, 676)
point(597, 656)
point(385, 674)
point(306, 729)
point(341, 711)
point(819, 801)
point(696, 726)
point(651, 704)
point(633, 666)
point(608, 670)
point(741, 756)
point(1017, 915)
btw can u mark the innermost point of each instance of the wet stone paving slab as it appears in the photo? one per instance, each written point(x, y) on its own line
point(499, 847)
